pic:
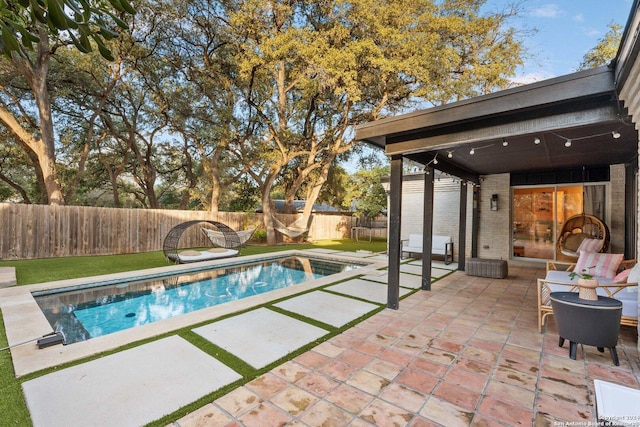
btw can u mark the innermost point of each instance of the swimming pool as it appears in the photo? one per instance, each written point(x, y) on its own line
point(97, 309)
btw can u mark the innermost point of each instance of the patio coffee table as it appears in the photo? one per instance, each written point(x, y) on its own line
point(588, 322)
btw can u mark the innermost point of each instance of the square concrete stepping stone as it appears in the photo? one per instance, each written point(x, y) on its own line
point(411, 269)
point(357, 254)
point(322, 250)
point(417, 270)
point(381, 277)
point(129, 388)
point(328, 308)
point(406, 280)
point(364, 289)
point(379, 257)
point(439, 272)
point(261, 336)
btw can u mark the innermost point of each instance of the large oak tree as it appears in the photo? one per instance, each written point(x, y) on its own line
point(32, 32)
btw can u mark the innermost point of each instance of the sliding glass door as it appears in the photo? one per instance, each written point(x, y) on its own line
point(540, 212)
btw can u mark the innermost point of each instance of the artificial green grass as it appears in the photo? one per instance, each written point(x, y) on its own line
point(51, 269)
point(13, 409)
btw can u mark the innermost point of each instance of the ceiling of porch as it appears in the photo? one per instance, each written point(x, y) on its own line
point(567, 122)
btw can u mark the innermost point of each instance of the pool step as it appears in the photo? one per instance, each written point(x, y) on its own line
point(7, 277)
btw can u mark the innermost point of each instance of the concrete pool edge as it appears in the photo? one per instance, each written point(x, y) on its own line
point(24, 320)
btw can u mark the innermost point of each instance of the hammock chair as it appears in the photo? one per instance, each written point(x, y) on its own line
point(583, 232)
point(291, 231)
point(218, 238)
point(227, 246)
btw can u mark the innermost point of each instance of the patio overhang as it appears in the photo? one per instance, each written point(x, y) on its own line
point(526, 128)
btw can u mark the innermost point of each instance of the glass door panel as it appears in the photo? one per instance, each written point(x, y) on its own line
point(540, 212)
point(533, 222)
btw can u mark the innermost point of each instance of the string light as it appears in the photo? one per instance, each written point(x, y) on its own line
point(567, 143)
point(536, 141)
point(472, 151)
point(505, 143)
point(615, 134)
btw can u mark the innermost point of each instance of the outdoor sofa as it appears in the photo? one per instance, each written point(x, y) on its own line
point(618, 279)
point(440, 245)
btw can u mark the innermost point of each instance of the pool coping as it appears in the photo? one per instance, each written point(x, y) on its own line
point(25, 323)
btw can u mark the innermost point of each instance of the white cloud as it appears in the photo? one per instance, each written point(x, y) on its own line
point(579, 17)
point(548, 11)
point(593, 33)
point(532, 77)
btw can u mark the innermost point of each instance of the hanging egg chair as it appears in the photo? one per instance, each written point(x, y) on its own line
point(583, 232)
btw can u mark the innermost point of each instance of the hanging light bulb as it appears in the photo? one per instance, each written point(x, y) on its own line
point(536, 141)
point(505, 143)
point(472, 152)
point(450, 154)
point(567, 143)
point(615, 134)
point(435, 161)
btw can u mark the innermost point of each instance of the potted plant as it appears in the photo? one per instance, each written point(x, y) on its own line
point(587, 284)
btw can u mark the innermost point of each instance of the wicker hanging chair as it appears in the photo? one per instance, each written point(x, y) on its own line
point(228, 245)
point(578, 228)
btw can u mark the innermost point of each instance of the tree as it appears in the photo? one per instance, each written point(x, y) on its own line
point(606, 49)
point(365, 194)
point(32, 32)
point(314, 69)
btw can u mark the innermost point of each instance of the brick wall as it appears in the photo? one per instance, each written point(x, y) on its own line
point(616, 209)
point(495, 229)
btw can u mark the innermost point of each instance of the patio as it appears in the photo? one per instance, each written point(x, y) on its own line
point(466, 353)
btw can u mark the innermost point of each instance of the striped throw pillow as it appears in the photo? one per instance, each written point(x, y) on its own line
point(590, 245)
point(598, 265)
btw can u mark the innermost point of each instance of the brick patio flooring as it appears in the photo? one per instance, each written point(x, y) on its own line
point(466, 353)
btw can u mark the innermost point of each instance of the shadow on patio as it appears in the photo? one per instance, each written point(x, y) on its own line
point(466, 353)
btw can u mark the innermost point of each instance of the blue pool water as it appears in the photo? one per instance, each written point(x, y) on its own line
point(98, 310)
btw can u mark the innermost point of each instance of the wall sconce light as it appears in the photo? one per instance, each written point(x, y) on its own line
point(494, 202)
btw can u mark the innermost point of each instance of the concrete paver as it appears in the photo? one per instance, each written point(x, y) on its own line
point(365, 289)
point(261, 336)
point(331, 309)
point(129, 388)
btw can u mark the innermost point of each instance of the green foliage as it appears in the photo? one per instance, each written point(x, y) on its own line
point(365, 193)
point(22, 21)
point(606, 49)
point(241, 196)
point(209, 95)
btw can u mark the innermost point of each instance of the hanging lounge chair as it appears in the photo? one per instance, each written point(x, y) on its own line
point(218, 237)
point(291, 231)
point(228, 245)
point(583, 232)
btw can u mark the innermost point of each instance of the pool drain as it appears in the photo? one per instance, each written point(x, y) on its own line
point(130, 315)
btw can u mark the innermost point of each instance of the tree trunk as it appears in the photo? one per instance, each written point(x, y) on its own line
point(35, 72)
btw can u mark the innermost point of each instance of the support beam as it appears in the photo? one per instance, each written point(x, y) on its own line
point(630, 209)
point(462, 226)
point(475, 222)
point(427, 228)
point(395, 214)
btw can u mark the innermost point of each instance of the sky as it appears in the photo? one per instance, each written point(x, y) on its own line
point(566, 30)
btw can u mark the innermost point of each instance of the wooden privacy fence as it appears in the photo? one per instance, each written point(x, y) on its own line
point(41, 231)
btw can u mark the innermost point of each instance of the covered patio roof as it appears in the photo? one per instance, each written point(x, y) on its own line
point(566, 122)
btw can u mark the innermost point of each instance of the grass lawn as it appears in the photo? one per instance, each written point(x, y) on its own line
point(50, 269)
point(13, 409)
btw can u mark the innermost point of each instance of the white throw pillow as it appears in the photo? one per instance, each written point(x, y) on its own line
point(634, 275)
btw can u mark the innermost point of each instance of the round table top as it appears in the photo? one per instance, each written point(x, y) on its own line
point(572, 297)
